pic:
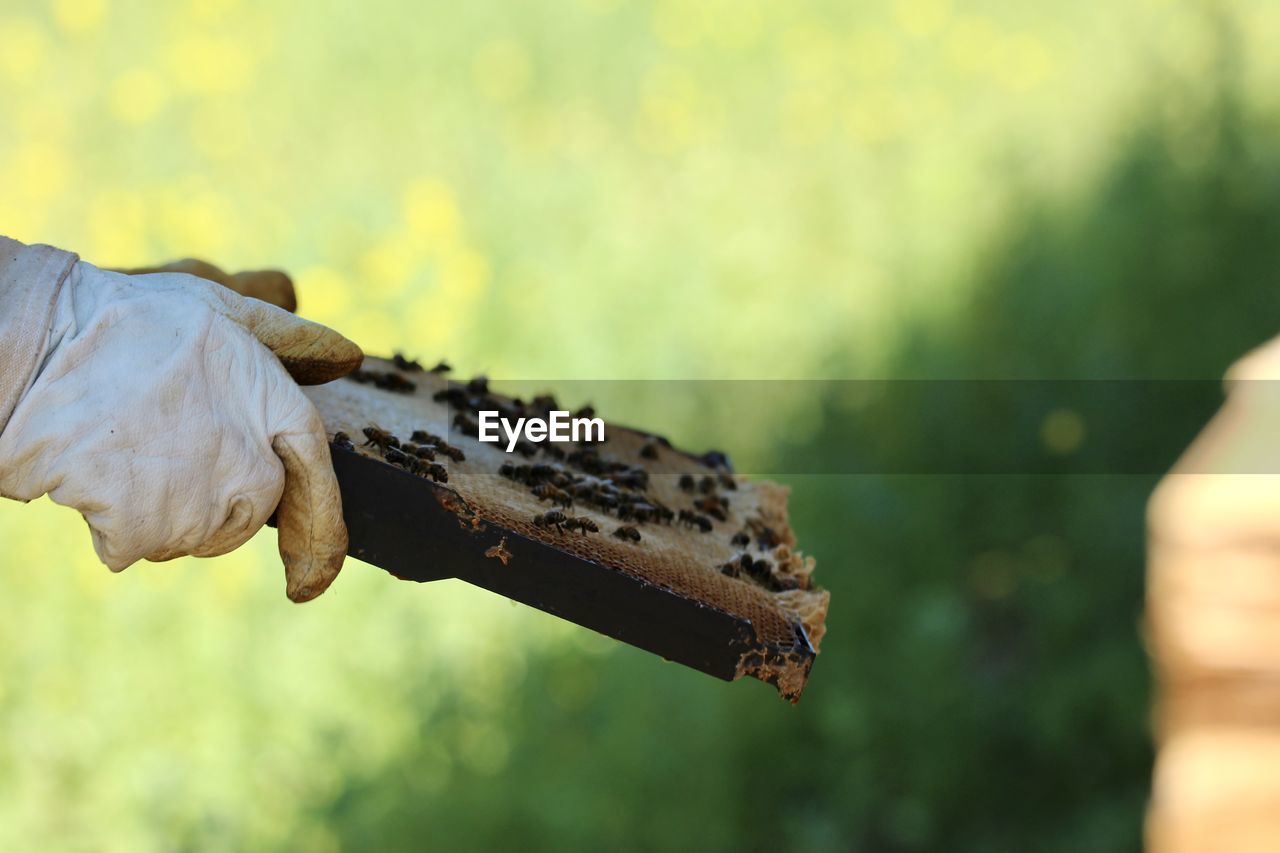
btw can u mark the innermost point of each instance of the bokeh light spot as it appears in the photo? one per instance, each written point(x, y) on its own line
point(210, 10)
point(672, 23)
point(874, 116)
point(431, 211)
point(922, 17)
point(79, 16)
point(1025, 63)
point(41, 171)
point(1063, 431)
point(324, 294)
point(873, 54)
point(219, 128)
point(137, 95)
point(971, 44)
point(211, 65)
point(117, 229)
point(993, 575)
point(23, 48)
point(502, 70)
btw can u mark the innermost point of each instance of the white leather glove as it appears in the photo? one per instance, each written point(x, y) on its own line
point(164, 413)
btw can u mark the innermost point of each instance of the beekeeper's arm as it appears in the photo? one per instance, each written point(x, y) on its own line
point(166, 409)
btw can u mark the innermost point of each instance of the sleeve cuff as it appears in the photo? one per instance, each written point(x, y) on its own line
point(31, 278)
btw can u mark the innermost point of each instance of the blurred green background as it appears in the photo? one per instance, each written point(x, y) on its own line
point(616, 189)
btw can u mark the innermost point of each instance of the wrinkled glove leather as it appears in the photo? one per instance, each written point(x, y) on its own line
point(164, 413)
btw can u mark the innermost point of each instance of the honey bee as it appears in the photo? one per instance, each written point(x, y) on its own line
point(743, 565)
point(706, 485)
point(405, 364)
point(586, 486)
point(632, 478)
point(628, 511)
point(760, 570)
point(437, 472)
point(394, 382)
point(454, 395)
point(424, 437)
point(692, 519)
point(526, 449)
point(687, 483)
point(661, 511)
point(551, 518)
point(379, 438)
point(548, 492)
point(735, 567)
point(478, 385)
point(627, 533)
point(400, 459)
point(419, 450)
point(341, 439)
point(605, 500)
point(716, 459)
point(512, 411)
point(766, 536)
point(727, 481)
point(544, 403)
point(519, 473)
point(454, 453)
point(587, 411)
point(714, 506)
point(553, 451)
point(740, 539)
point(441, 367)
point(544, 472)
point(466, 424)
point(582, 524)
point(650, 449)
point(587, 459)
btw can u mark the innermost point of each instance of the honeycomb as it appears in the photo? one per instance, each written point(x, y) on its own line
point(399, 398)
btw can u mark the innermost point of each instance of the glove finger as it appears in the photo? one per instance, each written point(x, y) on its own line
point(312, 534)
point(271, 286)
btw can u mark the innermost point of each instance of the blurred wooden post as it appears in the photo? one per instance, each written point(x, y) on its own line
point(1215, 636)
point(1213, 627)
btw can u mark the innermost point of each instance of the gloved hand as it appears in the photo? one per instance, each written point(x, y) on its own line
point(1213, 625)
point(165, 412)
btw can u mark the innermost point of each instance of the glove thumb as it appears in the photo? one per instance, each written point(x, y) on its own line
point(312, 534)
point(313, 354)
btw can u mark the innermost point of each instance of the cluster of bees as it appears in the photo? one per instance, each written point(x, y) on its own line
point(473, 396)
point(386, 380)
point(391, 381)
point(587, 476)
point(418, 456)
point(558, 520)
point(411, 366)
point(583, 475)
point(554, 482)
point(614, 487)
point(760, 570)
